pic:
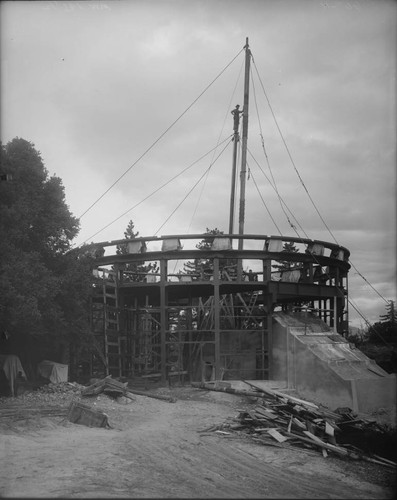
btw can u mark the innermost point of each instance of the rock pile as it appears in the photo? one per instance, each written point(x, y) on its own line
point(59, 394)
point(61, 387)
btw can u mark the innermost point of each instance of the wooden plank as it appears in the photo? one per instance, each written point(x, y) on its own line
point(211, 387)
point(102, 384)
point(110, 382)
point(170, 399)
point(113, 392)
point(336, 449)
point(329, 429)
point(273, 392)
point(299, 423)
point(94, 389)
point(270, 414)
point(385, 460)
point(276, 435)
point(290, 424)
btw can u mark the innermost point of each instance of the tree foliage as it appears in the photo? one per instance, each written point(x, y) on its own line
point(202, 265)
point(285, 265)
point(391, 314)
point(135, 271)
point(385, 330)
point(43, 290)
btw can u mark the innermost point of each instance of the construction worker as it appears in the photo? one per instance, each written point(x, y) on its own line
point(236, 116)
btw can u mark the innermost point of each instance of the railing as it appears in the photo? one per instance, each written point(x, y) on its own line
point(314, 261)
point(224, 242)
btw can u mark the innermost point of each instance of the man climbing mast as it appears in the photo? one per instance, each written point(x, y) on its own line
point(236, 118)
point(236, 121)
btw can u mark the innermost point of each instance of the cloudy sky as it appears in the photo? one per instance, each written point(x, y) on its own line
point(118, 98)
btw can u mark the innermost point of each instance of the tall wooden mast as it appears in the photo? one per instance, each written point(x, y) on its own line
point(244, 145)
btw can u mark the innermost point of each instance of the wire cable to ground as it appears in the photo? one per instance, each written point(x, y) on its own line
point(283, 203)
point(273, 183)
point(155, 191)
point(290, 156)
point(264, 203)
point(303, 184)
point(355, 307)
point(220, 134)
point(190, 191)
point(161, 135)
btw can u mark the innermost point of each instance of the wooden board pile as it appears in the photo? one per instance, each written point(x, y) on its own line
point(108, 386)
point(285, 420)
point(114, 388)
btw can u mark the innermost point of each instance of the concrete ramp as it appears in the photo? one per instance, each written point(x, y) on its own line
point(321, 365)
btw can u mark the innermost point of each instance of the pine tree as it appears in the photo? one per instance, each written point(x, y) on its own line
point(206, 266)
point(285, 265)
point(385, 330)
point(136, 271)
point(391, 314)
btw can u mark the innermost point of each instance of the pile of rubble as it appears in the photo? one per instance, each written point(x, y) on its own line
point(282, 420)
point(61, 387)
point(54, 394)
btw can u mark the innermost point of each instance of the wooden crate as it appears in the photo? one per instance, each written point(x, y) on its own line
point(84, 415)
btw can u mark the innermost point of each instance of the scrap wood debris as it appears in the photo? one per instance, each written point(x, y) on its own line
point(286, 420)
point(114, 388)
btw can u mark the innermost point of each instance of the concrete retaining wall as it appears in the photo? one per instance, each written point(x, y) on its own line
point(323, 367)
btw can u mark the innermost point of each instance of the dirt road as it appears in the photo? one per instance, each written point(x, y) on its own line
point(156, 450)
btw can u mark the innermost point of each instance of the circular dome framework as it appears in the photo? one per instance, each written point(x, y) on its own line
point(215, 321)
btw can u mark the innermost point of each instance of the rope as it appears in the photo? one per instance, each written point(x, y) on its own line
point(162, 135)
point(282, 201)
point(264, 203)
point(303, 184)
point(368, 283)
point(220, 134)
point(155, 191)
point(188, 193)
point(291, 159)
point(274, 185)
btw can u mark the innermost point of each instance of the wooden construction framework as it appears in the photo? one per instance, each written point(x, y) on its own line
point(217, 322)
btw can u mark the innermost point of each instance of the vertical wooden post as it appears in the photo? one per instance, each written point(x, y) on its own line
point(347, 306)
point(269, 319)
point(335, 315)
point(244, 144)
point(267, 270)
point(217, 323)
point(163, 319)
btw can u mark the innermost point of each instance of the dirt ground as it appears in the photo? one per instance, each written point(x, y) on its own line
point(158, 449)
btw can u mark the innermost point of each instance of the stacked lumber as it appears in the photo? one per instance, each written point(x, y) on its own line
point(108, 386)
point(288, 421)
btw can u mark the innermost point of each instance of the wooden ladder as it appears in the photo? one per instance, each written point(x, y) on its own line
point(111, 326)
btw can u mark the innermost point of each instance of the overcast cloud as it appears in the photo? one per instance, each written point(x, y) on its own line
point(93, 84)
